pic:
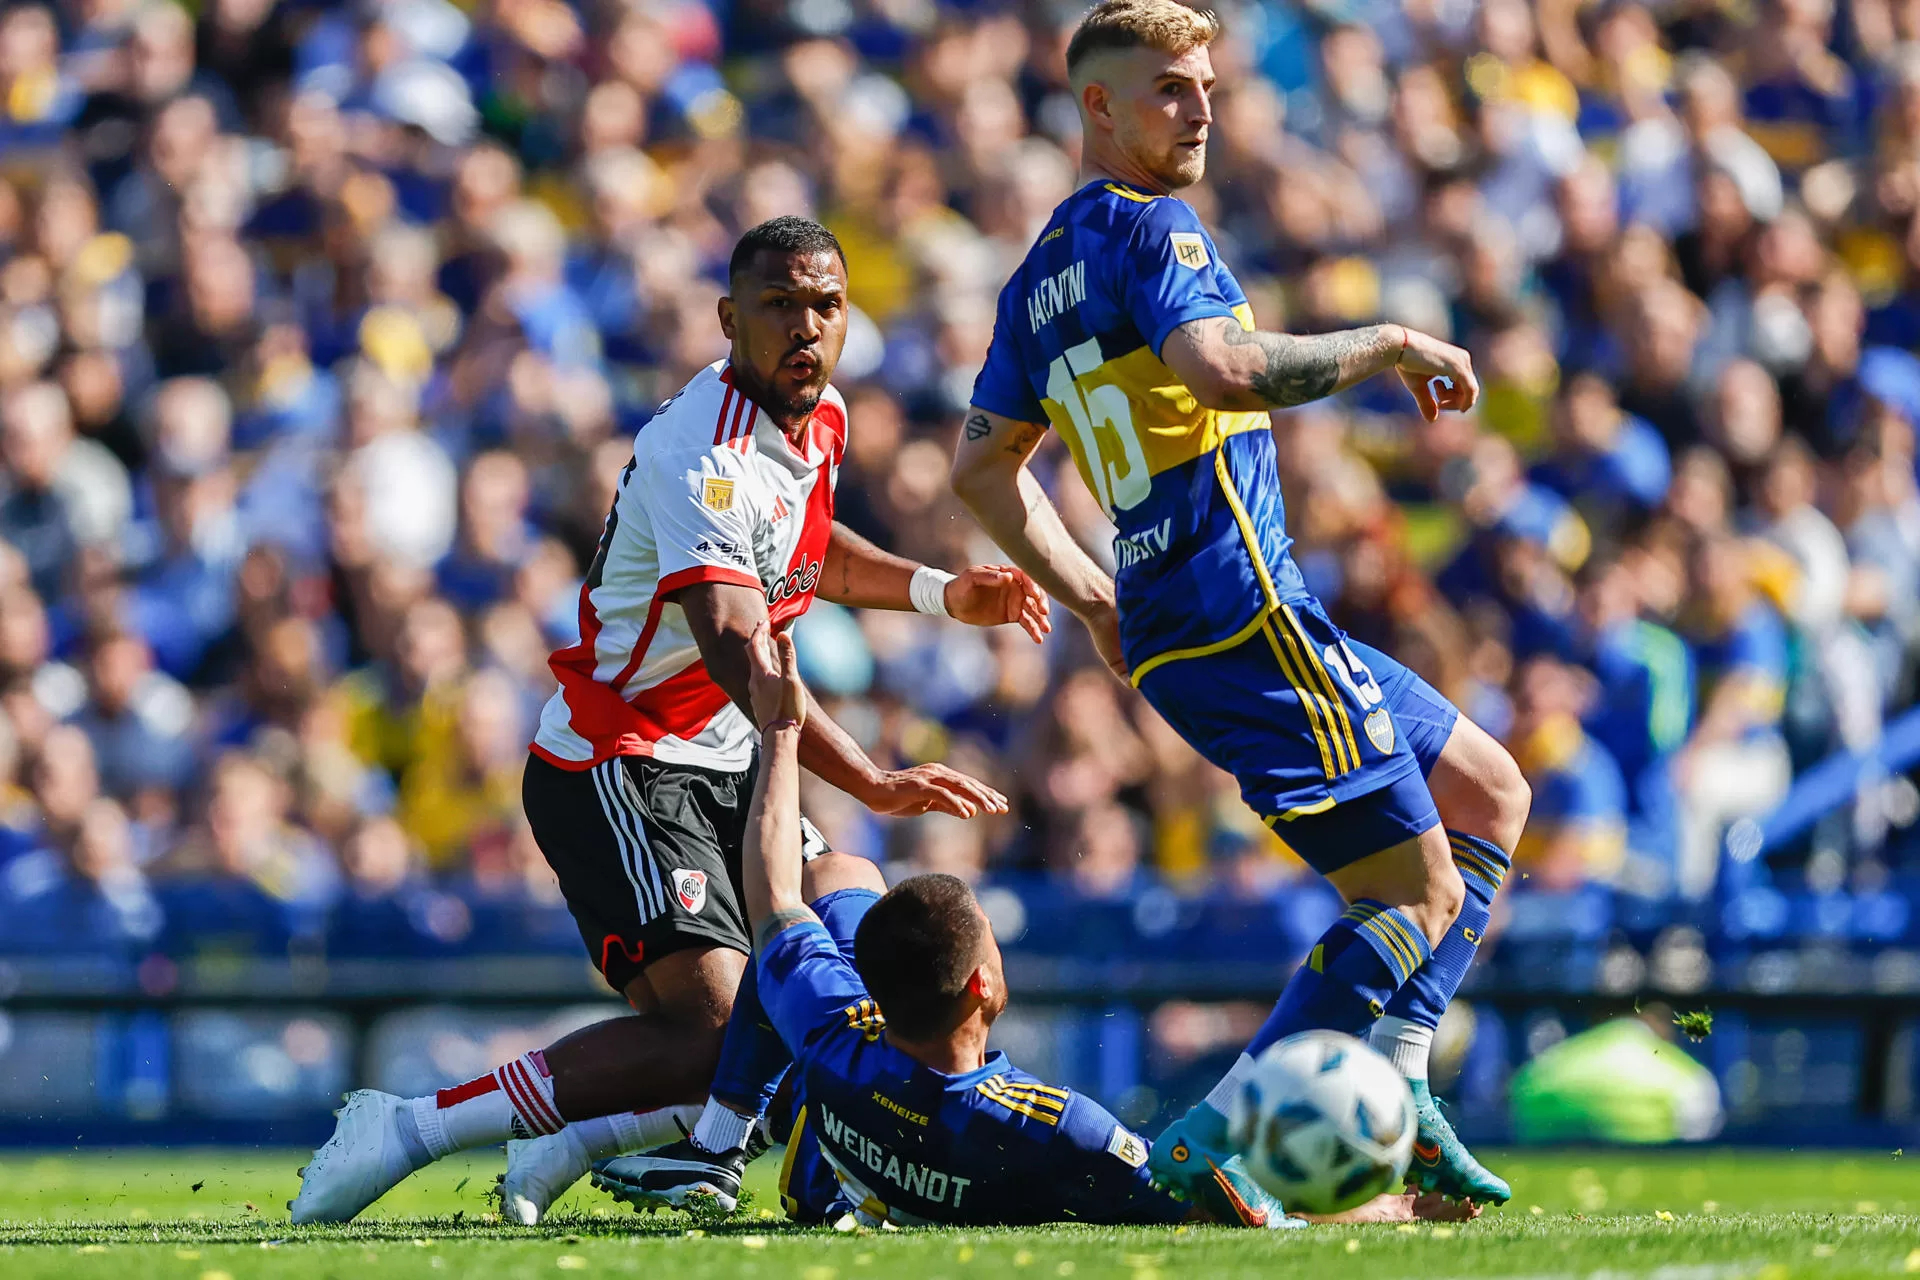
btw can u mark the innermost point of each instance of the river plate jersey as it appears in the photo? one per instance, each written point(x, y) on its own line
point(1202, 552)
point(912, 1146)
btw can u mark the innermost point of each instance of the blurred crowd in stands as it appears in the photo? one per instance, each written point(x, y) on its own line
point(325, 328)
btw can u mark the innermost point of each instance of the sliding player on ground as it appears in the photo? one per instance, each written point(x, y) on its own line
point(1124, 331)
point(884, 1004)
point(639, 777)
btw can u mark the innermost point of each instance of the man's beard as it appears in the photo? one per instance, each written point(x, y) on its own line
point(1186, 168)
point(786, 408)
point(796, 407)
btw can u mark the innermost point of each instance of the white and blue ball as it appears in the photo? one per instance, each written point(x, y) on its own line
point(1324, 1122)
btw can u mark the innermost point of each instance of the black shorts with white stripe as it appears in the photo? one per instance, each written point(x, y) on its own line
point(647, 854)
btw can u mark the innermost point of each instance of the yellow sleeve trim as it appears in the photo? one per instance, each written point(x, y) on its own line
point(1026, 1105)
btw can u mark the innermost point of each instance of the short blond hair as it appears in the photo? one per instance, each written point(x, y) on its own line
point(1166, 25)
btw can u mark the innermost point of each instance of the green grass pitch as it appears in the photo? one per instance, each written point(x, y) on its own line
point(1669, 1215)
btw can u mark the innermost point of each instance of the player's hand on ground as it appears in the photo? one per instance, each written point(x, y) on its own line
point(773, 678)
point(989, 595)
point(1386, 1207)
point(1432, 1206)
point(1426, 358)
point(934, 788)
point(1104, 627)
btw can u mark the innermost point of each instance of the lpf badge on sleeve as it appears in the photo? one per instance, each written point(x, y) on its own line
point(717, 495)
point(1189, 250)
point(1128, 1147)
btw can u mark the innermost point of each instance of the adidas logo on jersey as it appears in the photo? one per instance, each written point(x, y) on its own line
point(780, 511)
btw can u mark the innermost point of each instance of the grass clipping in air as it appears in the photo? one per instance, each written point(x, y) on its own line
point(1695, 1026)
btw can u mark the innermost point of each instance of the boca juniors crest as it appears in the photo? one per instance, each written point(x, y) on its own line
point(1379, 726)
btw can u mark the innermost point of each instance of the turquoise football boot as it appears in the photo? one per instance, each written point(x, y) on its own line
point(1193, 1161)
point(1441, 1162)
point(1232, 1198)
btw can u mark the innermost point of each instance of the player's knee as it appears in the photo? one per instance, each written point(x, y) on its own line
point(694, 988)
point(1496, 802)
point(1445, 896)
point(832, 872)
point(1510, 799)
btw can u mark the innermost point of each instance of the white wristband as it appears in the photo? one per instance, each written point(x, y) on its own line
point(928, 590)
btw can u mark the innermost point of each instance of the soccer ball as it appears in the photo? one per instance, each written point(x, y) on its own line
point(1324, 1122)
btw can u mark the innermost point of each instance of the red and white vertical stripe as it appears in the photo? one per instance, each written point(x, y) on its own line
point(529, 1086)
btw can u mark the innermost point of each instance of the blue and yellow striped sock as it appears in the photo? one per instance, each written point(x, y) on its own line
point(1425, 996)
point(1350, 975)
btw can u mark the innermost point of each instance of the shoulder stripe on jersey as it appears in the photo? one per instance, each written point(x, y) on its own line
point(720, 423)
point(1027, 1095)
point(1119, 190)
point(1031, 1108)
point(1034, 1086)
point(743, 419)
point(1037, 1092)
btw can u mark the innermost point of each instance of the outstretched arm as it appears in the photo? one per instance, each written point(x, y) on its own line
point(862, 576)
point(1228, 366)
point(770, 854)
point(991, 475)
point(723, 617)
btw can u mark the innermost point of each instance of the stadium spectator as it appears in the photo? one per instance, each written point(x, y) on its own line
point(1735, 764)
point(1577, 831)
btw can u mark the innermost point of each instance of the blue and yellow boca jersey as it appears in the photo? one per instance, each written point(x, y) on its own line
point(913, 1146)
point(1201, 553)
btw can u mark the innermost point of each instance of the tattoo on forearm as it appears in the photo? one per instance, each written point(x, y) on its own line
point(1025, 436)
point(978, 428)
point(779, 920)
point(1306, 368)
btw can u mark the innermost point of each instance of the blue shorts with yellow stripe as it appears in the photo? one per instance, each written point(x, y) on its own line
point(1306, 721)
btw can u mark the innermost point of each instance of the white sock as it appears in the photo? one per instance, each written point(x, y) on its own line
point(1406, 1044)
point(1222, 1095)
point(514, 1100)
point(626, 1131)
point(721, 1128)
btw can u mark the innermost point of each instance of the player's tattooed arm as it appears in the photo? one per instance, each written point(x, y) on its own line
point(1228, 366)
point(1303, 369)
point(1019, 438)
point(991, 476)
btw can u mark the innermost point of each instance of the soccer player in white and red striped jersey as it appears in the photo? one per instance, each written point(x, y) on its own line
point(641, 773)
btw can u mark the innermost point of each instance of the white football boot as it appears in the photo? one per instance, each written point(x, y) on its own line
point(539, 1171)
point(361, 1162)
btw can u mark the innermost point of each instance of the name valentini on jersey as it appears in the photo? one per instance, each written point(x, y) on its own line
point(1057, 293)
